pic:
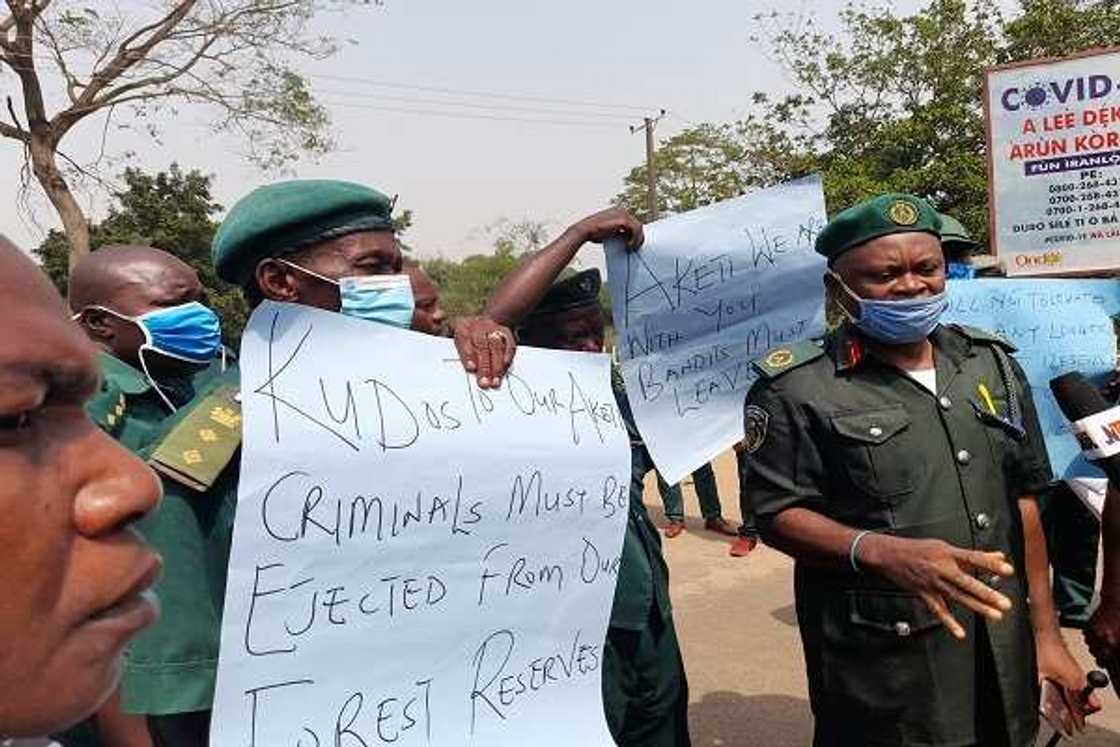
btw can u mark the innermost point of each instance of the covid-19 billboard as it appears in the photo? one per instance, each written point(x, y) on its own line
point(1054, 161)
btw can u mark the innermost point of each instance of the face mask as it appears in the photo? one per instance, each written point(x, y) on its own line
point(386, 299)
point(896, 322)
point(188, 332)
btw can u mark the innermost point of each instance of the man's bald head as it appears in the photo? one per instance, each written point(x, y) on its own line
point(114, 284)
point(102, 277)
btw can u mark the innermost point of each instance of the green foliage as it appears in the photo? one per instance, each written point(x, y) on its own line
point(173, 211)
point(465, 285)
point(708, 163)
point(891, 103)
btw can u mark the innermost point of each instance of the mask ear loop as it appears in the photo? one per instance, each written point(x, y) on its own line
point(139, 353)
point(851, 294)
point(312, 273)
point(151, 379)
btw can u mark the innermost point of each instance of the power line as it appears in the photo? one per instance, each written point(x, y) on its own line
point(470, 115)
point(484, 94)
point(480, 105)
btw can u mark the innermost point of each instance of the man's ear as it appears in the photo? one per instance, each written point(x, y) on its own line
point(99, 325)
point(275, 281)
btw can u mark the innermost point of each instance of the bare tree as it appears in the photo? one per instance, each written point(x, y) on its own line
point(148, 57)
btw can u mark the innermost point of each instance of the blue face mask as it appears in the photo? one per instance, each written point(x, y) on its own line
point(386, 299)
point(896, 322)
point(188, 332)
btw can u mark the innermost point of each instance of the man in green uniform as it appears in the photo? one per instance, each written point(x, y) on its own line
point(959, 247)
point(645, 692)
point(897, 463)
point(166, 396)
point(322, 243)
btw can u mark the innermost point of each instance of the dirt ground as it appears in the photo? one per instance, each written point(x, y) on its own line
point(738, 632)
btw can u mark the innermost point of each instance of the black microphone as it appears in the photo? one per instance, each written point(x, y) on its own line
point(1097, 428)
point(1096, 680)
point(1096, 425)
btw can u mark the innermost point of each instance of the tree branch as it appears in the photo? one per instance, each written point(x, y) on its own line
point(21, 60)
point(15, 133)
point(127, 56)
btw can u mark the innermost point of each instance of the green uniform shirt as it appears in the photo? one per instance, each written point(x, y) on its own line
point(832, 429)
point(171, 667)
point(643, 577)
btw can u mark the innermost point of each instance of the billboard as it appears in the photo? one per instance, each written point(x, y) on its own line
point(1054, 163)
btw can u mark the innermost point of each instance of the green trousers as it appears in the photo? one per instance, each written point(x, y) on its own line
point(645, 693)
point(704, 481)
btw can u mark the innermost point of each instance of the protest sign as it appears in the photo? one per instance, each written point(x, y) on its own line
point(710, 291)
point(1058, 326)
point(1054, 163)
point(416, 560)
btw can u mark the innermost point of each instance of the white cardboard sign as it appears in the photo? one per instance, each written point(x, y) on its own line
point(415, 560)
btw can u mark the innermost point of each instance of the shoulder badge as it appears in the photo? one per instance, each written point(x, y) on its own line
point(755, 422)
point(108, 407)
point(786, 358)
point(982, 335)
point(197, 448)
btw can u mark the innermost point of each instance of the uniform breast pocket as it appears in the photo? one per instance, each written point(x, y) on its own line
point(874, 450)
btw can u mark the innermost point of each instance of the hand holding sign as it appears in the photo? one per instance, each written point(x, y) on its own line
point(709, 291)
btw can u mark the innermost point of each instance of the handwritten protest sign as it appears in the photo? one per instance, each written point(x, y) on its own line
point(711, 290)
point(1054, 150)
point(1058, 326)
point(415, 560)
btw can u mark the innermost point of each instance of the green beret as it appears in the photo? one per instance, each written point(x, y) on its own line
point(954, 232)
point(573, 292)
point(880, 216)
point(280, 217)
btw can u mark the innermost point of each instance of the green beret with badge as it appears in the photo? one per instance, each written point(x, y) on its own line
point(576, 291)
point(282, 217)
point(871, 219)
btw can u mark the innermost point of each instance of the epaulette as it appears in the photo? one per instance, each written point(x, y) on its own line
point(196, 449)
point(982, 335)
point(107, 408)
point(779, 360)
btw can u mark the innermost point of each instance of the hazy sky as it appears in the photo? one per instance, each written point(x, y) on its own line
point(460, 174)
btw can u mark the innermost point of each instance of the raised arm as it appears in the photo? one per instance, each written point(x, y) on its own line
point(524, 288)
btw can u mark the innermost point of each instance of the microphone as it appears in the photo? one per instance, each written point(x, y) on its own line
point(1096, 680)
point(1096, 425)
point(1097, 428)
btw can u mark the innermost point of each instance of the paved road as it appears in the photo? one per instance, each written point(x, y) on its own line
point(741, 648)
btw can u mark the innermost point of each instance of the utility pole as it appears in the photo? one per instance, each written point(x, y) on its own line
point(648, 124)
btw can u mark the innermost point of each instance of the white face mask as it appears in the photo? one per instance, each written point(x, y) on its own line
point(386, 299)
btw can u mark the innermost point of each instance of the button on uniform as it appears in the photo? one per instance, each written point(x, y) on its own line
point(963, 456)
point(902, 629)
point(983, 521)
point(875, 431)
point(945, 403)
